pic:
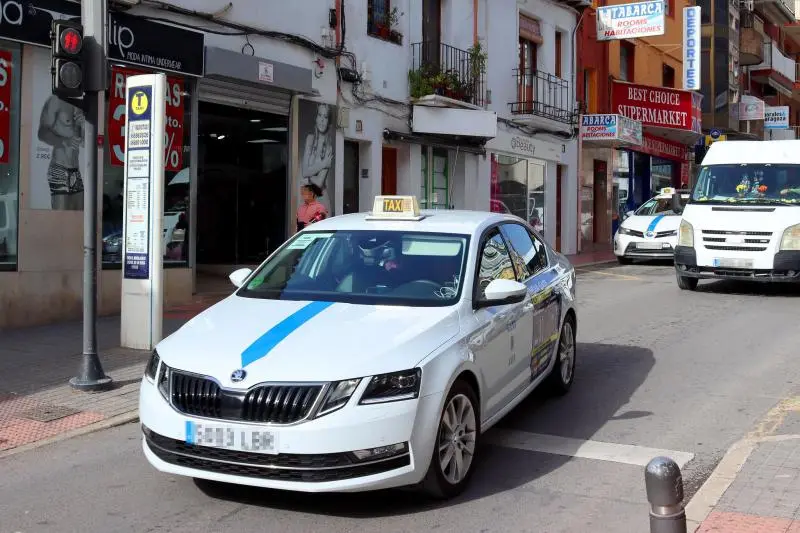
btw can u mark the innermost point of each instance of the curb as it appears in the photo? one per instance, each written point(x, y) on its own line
point(594, 263)
point(108, 423)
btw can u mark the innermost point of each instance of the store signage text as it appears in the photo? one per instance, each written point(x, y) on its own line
point(173, 141)
point(611, 127)
point(5, 103)
point(665, 108)
point(628, 21)
point(691, 48)
point(776, 118)
point(663, 148)
point(521, 144)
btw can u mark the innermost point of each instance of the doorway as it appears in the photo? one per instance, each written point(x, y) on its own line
point(242, 189)
point(599, 207)
point(388, 171)
point(351, 166)
point(559, 185)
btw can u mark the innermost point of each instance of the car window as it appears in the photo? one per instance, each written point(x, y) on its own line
point(528, 252)
point(495, 262)
point(365, 267)
point(656, 206)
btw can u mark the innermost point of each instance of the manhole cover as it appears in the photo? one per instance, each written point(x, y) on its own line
point(48, 413)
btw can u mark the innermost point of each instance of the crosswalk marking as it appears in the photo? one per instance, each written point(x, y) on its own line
point(583, 449)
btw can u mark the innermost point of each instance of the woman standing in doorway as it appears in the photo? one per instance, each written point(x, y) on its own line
point(319, 150)
point(311, 210)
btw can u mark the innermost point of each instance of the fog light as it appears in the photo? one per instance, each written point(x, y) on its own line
point(381, 452)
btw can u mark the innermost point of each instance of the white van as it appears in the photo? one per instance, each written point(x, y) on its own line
point(742, 220)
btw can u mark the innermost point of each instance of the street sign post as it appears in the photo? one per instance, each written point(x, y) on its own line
point(142, 256)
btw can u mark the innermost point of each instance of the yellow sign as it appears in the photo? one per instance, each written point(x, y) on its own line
point(396, 207)
point(710, 140)
point(139, 103)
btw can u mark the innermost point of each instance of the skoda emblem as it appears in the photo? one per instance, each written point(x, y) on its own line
point(238, 375)
point(650, 234)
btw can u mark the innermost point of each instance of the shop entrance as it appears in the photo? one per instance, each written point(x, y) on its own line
point(242, 188)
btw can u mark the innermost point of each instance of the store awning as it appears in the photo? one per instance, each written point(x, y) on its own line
point(689, 138)
point(471, 145)
point(610, 130)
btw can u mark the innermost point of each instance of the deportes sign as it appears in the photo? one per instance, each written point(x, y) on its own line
point(691, 48)
point(628, 21)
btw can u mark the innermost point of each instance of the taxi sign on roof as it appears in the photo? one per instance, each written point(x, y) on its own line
point(668, 190)
point(395, 208)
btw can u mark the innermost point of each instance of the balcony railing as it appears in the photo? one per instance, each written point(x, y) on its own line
point(447, 71)
point(775, 60)
point(544, 95)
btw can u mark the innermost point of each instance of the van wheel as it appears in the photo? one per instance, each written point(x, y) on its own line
point(686, 283)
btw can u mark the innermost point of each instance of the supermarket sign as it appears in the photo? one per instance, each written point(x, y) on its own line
point(629, 21)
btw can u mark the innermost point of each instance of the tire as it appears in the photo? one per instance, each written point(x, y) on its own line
point(624, 260)
point(561, 377)
point(443, 482)
point(686, 283)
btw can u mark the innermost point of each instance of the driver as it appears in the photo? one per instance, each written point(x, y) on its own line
point(786, 188)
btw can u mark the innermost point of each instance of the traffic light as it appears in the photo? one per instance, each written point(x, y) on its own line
point(66, 41)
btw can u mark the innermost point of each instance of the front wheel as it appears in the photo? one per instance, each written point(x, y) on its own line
point(563, 373)
point(686, 283)
point(456, 444)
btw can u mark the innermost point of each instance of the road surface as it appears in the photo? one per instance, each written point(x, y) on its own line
point(659, 370)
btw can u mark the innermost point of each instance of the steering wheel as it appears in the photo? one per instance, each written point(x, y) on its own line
point(422, 283)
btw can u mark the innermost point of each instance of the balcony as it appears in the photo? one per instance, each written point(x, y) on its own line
point(751, 40)
point(544, 95)
point(449, 72)
point(778, 12)
point(777, 70)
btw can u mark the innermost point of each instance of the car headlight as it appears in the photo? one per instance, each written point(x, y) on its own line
point(791, 238)
point(624, 231)
point(152, 366)
point(686, 235)
point(163, 380)
point(403, 385)
point(338, 395)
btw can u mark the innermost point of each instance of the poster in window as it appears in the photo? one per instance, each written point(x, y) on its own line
point(317, 134)
point(6, 74)
point(57, 150)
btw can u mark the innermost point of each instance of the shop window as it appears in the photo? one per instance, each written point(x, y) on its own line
point(435, 189)
point(520, 190)
point(667, 76)
point(530, 37)
point(626, 61)
point(175, 238)
point(10, 75)
point(495, 263)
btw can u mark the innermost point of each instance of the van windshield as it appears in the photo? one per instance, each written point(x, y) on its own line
point(748, 184)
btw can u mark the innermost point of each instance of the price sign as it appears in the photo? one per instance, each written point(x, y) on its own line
point(5, 103)
point(173, 136)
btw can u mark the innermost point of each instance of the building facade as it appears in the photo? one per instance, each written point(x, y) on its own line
point(638, 79)
point(460, 104)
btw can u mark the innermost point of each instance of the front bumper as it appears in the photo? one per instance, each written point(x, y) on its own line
point(785, 268)
point(312, 456)
point(641, 248)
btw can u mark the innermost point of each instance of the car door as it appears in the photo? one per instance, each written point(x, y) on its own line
point(492, 341)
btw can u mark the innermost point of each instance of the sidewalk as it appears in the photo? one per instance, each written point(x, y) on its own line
point(37, 405)
point(764, 496)
point(590, 258)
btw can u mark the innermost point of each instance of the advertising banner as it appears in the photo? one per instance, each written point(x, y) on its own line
point(691, 48)
point(610, 127)
point(776, 118)
point(173, 140)
point(751, 108)
point(658, 106)
point(628, 21)
point(663, 148)
point(5, 103)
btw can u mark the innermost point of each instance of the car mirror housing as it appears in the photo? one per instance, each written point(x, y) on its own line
point(238, 277)
point(503, 292)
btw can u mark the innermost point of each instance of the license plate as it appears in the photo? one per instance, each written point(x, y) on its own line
point(241, 439)
point(649, 245)
point(733, 263)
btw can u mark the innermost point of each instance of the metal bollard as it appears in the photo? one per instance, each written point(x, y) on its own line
point(664, 484)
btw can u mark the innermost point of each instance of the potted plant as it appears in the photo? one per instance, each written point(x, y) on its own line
point(389, 21)
point(392, 18)
point(419, 83)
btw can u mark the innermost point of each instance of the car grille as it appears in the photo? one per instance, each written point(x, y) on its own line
point(748, 241)
point(737, 248)
point(668, 233)
point(283, 467)
point(275, 404)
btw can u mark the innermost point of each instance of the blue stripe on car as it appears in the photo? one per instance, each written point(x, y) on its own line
point(269, 340)
point(654, 223)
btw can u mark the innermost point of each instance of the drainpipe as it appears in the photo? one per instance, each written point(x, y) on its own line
point(474, 22)
point(579, 170)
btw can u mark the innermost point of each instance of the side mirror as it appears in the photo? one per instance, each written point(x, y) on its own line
point(629, 213)
point(238, 277)
point(677, 207)
point(503, 292)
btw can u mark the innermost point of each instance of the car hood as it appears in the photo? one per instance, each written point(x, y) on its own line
point(278, 340)
point(654, 223)
point(734, 218)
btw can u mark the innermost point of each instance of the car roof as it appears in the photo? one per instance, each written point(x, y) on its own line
point(753, 152)
point(434, 221)
point(663, 196)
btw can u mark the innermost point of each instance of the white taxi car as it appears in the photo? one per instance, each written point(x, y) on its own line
point(650, 232)
point(369, 351)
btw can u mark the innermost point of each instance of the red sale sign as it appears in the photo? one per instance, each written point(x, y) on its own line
point(173, 142)
point(5, 103)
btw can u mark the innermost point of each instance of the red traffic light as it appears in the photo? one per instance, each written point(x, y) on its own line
point(71, 41)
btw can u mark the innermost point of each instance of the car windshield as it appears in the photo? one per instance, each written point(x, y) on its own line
point(748, 184)
point(365, 267)
point(656, 206)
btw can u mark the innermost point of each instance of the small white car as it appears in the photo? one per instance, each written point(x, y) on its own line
point(650, 232)
point(369, 351)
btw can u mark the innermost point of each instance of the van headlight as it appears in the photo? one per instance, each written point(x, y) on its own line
point(791, 238)
point(686, 235)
